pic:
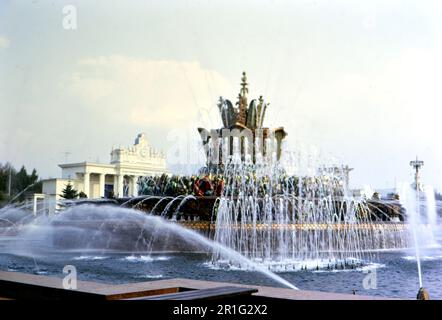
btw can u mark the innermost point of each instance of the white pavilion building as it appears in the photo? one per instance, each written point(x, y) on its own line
point(118, 178)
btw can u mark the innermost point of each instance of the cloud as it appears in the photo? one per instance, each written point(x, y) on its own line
point(358, 81)
point(4, 42)
point(145, 92)
point(344, 115)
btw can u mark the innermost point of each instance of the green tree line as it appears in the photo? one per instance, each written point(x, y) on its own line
point(20, 180)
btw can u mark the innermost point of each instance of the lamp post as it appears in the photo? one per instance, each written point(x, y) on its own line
point(10, 181)
point(417, 165)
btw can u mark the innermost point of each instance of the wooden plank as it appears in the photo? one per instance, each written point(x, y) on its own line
point(151, 288)
point(205, 294)
point(15, 285)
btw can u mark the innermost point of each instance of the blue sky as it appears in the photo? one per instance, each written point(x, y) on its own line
point(359, 80)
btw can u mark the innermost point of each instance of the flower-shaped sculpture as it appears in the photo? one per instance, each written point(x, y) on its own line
point(242, 120)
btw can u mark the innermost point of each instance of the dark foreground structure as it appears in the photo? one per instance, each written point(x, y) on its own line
point(15, 285)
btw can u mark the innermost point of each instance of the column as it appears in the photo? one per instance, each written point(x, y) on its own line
point(86, 182)
point(101, 185)
point(134, 186)
point(120, 185)
point(115, 186)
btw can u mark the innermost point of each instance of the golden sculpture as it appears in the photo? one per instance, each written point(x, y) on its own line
point(244, 121)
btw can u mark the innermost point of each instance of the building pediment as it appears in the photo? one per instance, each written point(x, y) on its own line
point(141, 153)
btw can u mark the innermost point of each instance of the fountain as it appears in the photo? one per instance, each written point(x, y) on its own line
point(411, 202)
point(430, 204)
point(420, 205)
point(88, 228)
point(253, 206)
point(283, 221)
point(243, 137)
point(243, 209)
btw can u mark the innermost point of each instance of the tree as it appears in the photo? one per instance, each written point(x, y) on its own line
point(69, 192)
point(21, 180)
point(4, 175)
point(82, 195)
point(6, 170)
point(21, 183)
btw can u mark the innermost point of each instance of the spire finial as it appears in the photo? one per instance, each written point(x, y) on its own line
point(242, 100)
point(244, 84)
